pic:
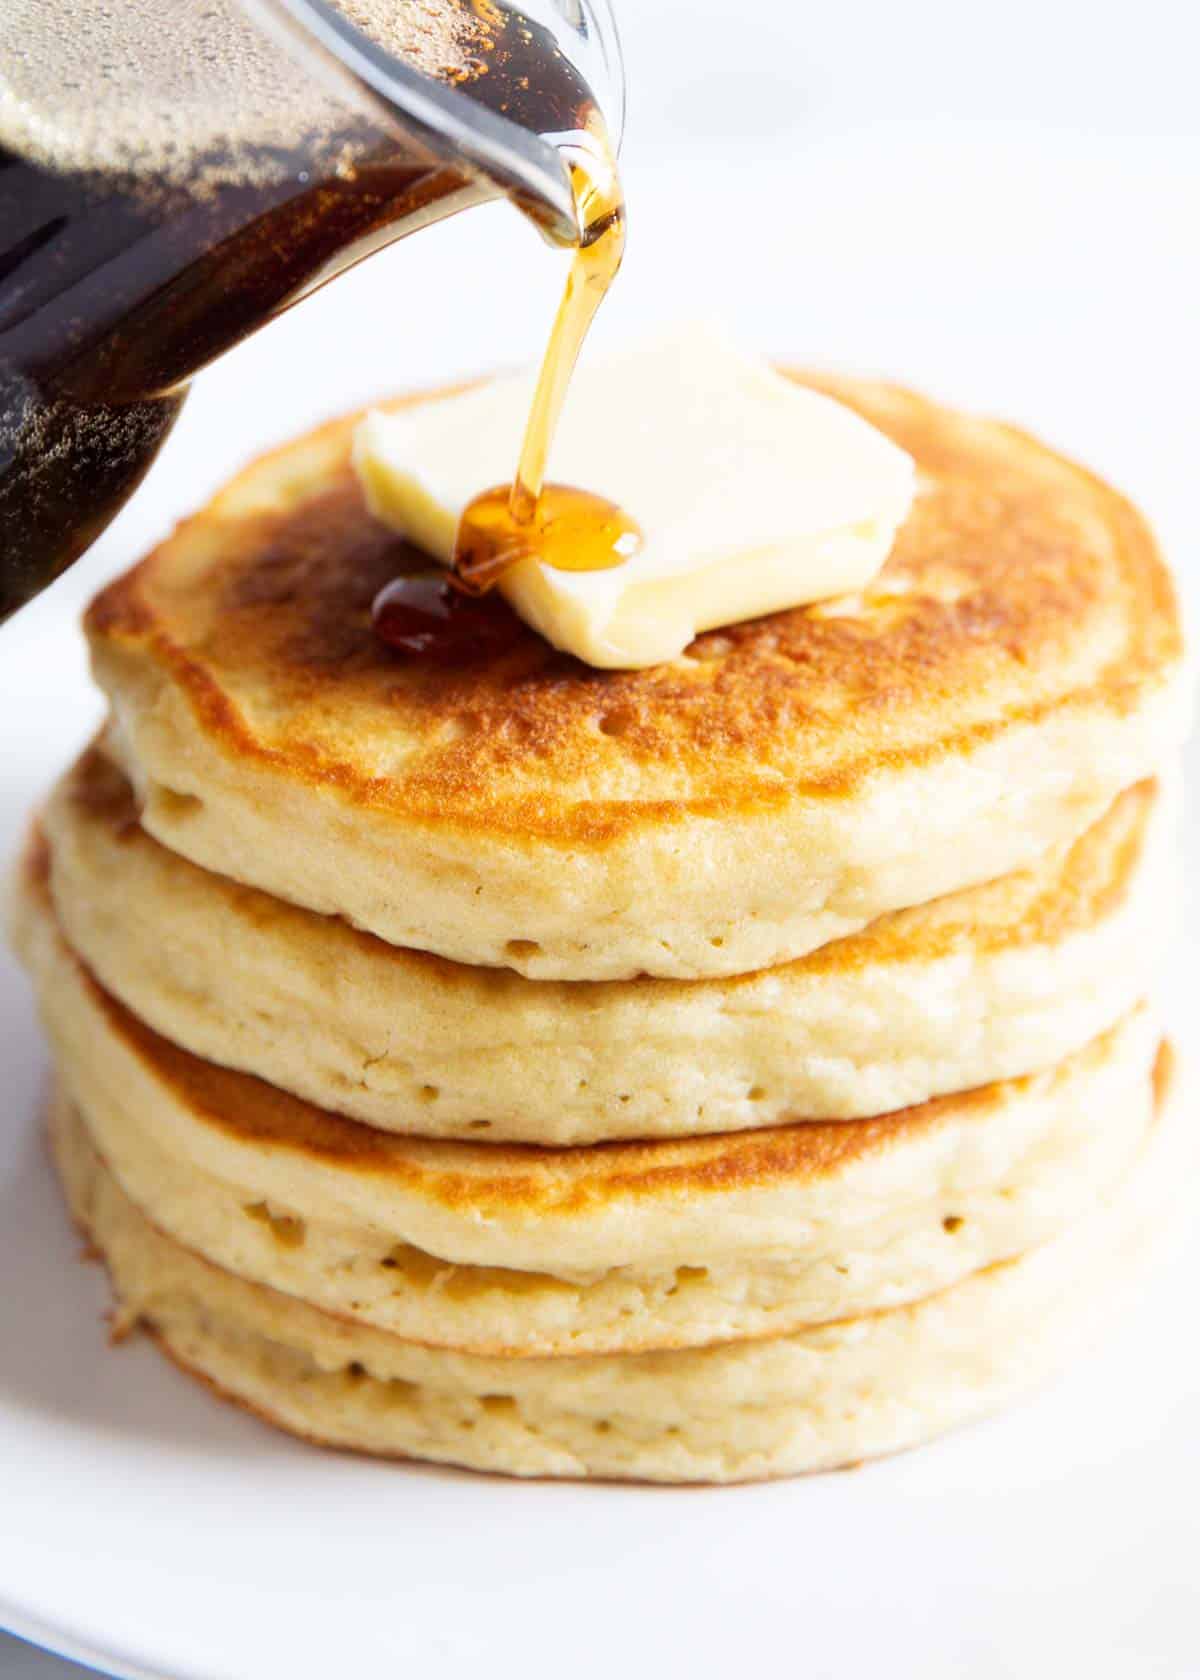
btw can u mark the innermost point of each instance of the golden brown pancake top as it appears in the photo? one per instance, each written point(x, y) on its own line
point(1019, 586)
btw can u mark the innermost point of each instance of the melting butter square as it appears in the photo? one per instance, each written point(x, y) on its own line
point(753, 493)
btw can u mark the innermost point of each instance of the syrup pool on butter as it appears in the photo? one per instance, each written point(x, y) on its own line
point(752, 493)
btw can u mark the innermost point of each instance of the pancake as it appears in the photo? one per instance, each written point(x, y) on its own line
point(514, 1249)
point(1016, 664)
point(822, 1397)
point(987, 984)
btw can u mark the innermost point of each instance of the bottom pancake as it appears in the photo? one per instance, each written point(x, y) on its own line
point(813, 1400)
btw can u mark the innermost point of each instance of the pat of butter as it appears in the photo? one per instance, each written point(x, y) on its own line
point(752, 492)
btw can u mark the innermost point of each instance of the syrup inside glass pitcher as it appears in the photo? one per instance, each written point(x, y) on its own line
point(163, 196)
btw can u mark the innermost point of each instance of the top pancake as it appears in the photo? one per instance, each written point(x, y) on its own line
point(1012, 668)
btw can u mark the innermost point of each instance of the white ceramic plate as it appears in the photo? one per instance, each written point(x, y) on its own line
point(151, 1531)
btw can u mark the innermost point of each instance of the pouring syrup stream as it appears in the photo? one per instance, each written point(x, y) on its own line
point(563, 526)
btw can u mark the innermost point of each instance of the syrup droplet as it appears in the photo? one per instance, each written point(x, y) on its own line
point(568, 529)
point(423, 614)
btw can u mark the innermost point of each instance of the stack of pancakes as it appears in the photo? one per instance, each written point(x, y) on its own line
point(702, 1073)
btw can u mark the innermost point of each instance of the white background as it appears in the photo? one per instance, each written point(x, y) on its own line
point(998, 203)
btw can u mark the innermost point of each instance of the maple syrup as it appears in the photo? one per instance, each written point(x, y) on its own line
point(570, 529)
point(425, 614)
point(117, 286)
point(563, 526)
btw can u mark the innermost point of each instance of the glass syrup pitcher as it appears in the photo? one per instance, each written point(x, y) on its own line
point(174, 175)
